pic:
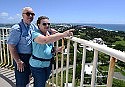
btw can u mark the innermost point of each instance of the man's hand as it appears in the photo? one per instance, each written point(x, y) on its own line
point(20, 66)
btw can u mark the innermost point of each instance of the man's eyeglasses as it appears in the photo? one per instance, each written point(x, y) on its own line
point(44, 24)
point(28, 14)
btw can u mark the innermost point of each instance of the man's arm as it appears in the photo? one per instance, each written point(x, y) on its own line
point(15, 56)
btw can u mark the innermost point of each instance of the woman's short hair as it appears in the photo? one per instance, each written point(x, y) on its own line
point(40, 18)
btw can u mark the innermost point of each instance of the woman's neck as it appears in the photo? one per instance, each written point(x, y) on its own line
point(45, 33)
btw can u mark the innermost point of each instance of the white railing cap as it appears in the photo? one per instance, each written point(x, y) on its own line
point(109, 51)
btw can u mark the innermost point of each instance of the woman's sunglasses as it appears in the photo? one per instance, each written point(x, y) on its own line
point(28, 14)
point(44, 24)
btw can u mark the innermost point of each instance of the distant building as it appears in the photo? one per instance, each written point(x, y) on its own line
point(65, 51)
point(88, 69)
point(95, 40)
point(98, 40)
point(69, 84)
point(88, 48)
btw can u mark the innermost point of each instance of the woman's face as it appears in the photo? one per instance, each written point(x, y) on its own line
point(44, 25)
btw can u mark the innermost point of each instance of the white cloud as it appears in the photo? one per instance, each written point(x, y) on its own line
point(6, 18)
point(18, 16)
point(11, 18)
point(3, 14)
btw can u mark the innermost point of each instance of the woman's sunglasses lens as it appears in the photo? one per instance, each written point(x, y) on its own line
point(44, 24)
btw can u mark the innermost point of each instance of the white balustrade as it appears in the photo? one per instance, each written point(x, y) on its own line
point(6, 60)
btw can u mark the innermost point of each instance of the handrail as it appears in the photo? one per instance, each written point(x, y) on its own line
point(109, 51)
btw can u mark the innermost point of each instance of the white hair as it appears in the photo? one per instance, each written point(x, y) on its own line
point(26, 8)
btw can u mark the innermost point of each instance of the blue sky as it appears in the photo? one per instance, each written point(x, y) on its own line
point(66, 11)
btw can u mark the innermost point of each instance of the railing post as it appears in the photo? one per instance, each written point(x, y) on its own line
point(52, 75)
point(74, 64)
point(57, 64)
point(94, 69)
point(111, 72)
point(83, 66)
point(7, 51)
point(0, 42)
point(67, 66)
point(4, 51)
point(62, 64)
point(3, 54)
point(1, 59)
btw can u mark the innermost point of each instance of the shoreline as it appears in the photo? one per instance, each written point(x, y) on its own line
point(108, 27)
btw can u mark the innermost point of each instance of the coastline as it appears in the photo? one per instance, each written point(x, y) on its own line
point(108, 27)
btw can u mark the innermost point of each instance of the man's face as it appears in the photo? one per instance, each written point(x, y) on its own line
point(28, 16)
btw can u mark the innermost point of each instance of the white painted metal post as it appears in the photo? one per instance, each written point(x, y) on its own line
point(94, 73)
point(83, 66)
point(3, 43)
point(1, 47)
point(57, 64)
point(67, 66)
point(74, 64)
point(52, 75)
point(7, 50)
point(62, 64)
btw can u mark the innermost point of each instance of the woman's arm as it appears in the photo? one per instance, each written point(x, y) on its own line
point(41, 39)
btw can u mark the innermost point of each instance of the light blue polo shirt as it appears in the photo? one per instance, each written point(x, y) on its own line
point(40, 51)
point(21, 38)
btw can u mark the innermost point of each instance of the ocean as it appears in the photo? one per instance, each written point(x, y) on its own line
point(111, 27)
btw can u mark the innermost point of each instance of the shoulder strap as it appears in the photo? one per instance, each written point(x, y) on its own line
point(20, 31)
point(23, 31)
point(50, 32)
point(20, 28)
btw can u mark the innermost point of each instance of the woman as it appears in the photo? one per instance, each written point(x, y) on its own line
point(42, 42)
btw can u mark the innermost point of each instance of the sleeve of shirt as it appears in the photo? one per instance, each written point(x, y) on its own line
point(14, 35)
point(34, 27)
point(35, 34)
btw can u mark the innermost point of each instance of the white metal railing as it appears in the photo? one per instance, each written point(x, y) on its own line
point(6, 61)
point(114, 54)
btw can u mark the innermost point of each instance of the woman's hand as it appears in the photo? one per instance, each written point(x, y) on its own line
point(68, 33)
point(53, 31)
point(59, 49)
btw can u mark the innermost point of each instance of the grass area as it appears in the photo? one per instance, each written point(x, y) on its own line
point(120, 42)
point(64, 77)
point(106, 68)
point(118, 83)
point(121, 38)
point(103, 67)
point(120, 70)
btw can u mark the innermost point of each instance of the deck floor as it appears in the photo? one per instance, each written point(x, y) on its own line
point(7, 78)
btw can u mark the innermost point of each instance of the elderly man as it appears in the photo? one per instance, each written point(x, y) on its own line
point(19, 43)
